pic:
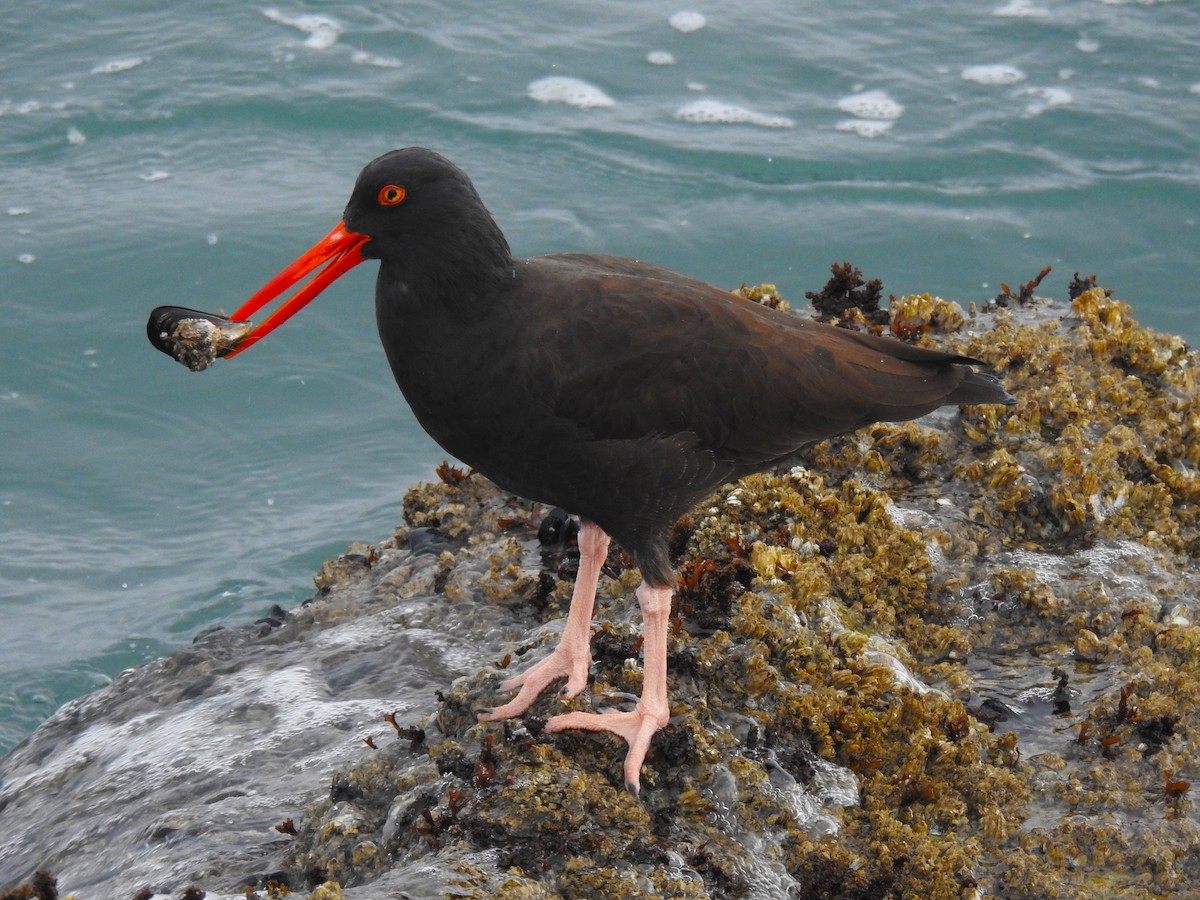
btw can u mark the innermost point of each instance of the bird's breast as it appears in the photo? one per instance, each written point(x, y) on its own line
point(465, 383)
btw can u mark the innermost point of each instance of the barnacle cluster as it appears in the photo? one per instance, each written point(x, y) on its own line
point(917, 314)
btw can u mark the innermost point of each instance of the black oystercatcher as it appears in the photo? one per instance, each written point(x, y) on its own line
point(618, 390)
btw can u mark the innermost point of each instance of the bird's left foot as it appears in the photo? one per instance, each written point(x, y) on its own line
point(636, 727)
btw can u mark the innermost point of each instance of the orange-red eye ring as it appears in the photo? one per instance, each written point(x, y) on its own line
point(391, 194)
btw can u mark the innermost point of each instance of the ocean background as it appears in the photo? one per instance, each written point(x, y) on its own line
point(184, 155)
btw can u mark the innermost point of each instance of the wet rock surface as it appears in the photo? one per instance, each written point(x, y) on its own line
point(941, 658)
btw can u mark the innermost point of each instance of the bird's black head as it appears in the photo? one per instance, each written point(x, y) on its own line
point(418, 214)
point(415, 206)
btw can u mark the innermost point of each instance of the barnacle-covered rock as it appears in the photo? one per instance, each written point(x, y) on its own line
point(940, 658)
point(917, 314)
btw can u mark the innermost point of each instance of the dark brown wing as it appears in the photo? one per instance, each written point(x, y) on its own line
point(654, 352)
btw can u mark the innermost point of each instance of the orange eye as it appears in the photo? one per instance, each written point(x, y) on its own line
point(391, 194)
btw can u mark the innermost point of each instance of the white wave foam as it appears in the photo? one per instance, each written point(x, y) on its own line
point(999, 73)
point(363, 58)
point(571, 91)
point(687, 20)
point(660, 58)
point(871, 105)
point(868, 128)
point(1045, 98)
point(1021, 9)
point(708, 112)
point(119, 65)
point(322, 31)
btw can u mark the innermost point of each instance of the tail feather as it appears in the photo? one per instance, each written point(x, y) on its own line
point(895, 361)
point(980, 387)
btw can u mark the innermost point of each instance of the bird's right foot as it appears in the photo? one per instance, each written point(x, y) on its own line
point(562, 663)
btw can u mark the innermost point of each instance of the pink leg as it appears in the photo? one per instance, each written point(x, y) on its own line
point(573, 655)
point(651, 714)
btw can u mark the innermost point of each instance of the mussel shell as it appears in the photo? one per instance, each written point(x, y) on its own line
point(193, 337)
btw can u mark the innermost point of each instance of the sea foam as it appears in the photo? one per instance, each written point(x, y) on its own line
point(871, 105)
point(322, 31)
point(363, 58)
point(998, 73)
point(119, 65)
point(1021, 9)
point(868, 128)
point(686, 20)
point(708, 112)
point(1044, 98)
point(571, 91)
point(874, 112)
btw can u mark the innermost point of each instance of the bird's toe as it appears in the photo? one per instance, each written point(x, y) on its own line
point(636, 727)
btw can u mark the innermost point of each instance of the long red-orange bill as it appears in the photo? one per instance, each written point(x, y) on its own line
point(341, 249)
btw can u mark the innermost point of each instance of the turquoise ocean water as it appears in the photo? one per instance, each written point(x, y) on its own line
point(183, 156)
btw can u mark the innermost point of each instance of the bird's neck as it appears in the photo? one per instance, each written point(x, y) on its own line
point(457, 272)
point(432, 299)
point(434, 322)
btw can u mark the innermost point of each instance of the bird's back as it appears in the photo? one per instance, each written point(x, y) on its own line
point(636, 350)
